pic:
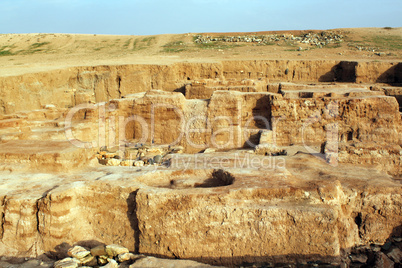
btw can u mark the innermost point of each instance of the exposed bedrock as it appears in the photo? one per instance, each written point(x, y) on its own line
point(297, 213)
point(35, 223)
point(75, 85)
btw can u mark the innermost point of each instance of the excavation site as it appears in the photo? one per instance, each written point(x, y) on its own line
point(200, 150)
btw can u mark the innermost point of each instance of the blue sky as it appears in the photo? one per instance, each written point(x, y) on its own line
point(183, 16)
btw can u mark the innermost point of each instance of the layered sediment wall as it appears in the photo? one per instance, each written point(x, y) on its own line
point(72, 86)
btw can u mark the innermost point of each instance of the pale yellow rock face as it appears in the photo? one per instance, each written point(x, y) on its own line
point(361, 118)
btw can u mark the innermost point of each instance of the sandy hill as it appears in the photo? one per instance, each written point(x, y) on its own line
point(21, 53)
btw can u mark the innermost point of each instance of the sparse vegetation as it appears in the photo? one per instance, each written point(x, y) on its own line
point(34, 48)
point(140, 44)
point(290, 44)
point(149, 40)
point(391, 42)
point(173, 47)
point(377, 43)
point(5, 51)
point(218, 45)
point(127, 43)
point(137, 45)
point(38, 45)
point(334, 45)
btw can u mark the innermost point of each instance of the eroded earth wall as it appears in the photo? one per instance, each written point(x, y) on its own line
point(75, 85)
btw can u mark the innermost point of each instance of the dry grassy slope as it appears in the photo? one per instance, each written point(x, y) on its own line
point(23, 53)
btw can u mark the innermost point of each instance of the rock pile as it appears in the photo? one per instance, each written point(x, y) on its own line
point(111, 256)
point(267, 146)
point(381, 255)
point(362, 47)
point(137, 155)
point(313, 39)
point(386, 255)
point(115, 256)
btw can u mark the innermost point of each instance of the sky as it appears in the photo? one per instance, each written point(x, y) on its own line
point(148, 17)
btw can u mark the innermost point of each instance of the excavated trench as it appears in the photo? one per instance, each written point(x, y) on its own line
point(229, 206)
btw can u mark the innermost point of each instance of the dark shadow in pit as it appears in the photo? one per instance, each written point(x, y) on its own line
point(181, 90)
point(132, 217)
point(262, 113)
point(319, 155)
point(393, 76)
point(253, 141)
point(261, 121)
point(219, 178)
point(345, 71)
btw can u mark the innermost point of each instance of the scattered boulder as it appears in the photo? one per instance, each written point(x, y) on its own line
point(115, 250)
point(98, 251)
point(360, 258)
point(109, 155)
point(155, 150)
point(382, 261)
point(129, 257)
point(113, 162)
point(395, 254)
point(157, 159)
point(111, 264)
point(78, 252)
point(269, 150)
point(139, 163)
point(83, 255)
point(67, 263)
point(102, 260)
point(209, 150)
point(50, 106)
point(177, 150)
point(314, 39)
point(140, 155)
point(127, 163)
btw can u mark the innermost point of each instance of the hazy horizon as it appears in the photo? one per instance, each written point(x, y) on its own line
point(183, 16)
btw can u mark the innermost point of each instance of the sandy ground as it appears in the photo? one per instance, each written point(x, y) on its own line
point(25, 53)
